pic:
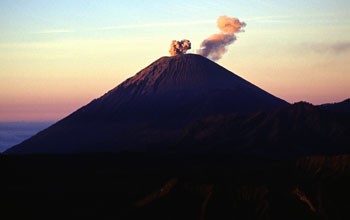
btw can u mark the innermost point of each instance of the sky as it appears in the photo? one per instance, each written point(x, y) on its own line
point(56, 56)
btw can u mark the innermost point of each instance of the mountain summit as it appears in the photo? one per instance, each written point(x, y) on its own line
point(166, 95)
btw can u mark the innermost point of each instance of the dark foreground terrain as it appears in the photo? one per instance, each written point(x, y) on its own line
point(141, 186)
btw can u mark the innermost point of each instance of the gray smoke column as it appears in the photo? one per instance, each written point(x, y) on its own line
point(179, 47)
point(216, 45)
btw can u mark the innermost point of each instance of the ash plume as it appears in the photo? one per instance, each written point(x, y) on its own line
point(216, 45)
point(179, 47)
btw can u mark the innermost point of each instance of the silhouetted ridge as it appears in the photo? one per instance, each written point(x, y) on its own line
point(343, 106)
point(293, 131)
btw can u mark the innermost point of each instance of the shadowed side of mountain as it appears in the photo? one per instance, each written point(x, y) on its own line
point(168, 94)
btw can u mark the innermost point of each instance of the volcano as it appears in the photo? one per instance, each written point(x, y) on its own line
point(166, 95)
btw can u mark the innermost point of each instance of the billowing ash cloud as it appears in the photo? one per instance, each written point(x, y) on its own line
point(215, 46)
point(230, 25)
point(179, 47)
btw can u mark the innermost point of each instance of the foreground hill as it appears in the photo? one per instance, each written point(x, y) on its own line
point(147, 186)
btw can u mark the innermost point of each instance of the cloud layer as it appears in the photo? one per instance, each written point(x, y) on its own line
point(335, 48)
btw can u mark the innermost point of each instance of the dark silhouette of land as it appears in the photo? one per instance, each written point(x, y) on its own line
point(187, 186)
point(342, 107)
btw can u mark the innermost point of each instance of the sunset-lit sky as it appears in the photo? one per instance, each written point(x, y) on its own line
point(56, 56)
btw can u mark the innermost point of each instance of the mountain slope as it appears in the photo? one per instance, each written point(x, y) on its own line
point(343, 106)
point(167, 94)
point(293, 131)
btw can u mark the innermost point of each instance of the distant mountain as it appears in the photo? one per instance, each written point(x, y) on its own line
point(297, 130)
point(165, 96)
point(343, 106)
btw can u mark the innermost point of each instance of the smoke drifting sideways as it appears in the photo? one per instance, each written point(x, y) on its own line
point(179, 47)
point(216, 45)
